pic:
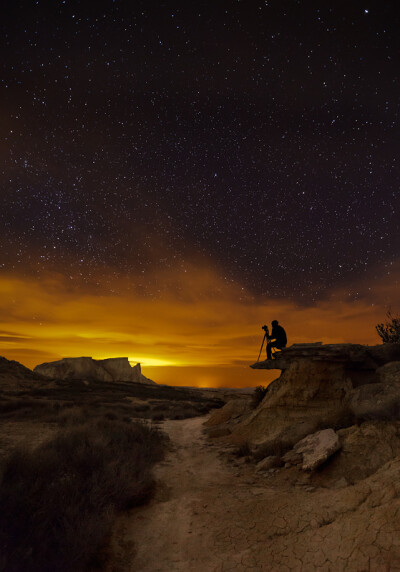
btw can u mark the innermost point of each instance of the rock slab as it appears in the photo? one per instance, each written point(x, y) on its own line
point(314, 449)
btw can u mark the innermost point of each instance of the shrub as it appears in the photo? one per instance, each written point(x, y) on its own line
point(258, 395)
point(389, 331)
point(57, 502)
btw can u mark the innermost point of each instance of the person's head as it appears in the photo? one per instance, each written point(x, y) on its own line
point(274, 323)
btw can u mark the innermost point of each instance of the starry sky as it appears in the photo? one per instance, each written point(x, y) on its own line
point(176, 174)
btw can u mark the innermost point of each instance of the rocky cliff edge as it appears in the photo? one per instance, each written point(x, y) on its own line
point(320, 386)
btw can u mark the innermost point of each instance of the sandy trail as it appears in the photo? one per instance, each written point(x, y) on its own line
point(209, 515)
point(179, 530)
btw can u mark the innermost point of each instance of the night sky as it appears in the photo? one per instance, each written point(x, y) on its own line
point(178, 152)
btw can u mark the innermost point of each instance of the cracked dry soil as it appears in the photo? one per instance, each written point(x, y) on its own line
point(209, 516)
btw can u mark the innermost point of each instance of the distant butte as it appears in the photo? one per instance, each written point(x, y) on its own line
point(111, 369)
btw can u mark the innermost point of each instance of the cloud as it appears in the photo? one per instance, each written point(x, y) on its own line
point(198, 319)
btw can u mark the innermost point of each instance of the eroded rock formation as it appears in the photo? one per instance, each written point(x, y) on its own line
point(112, 369)
point(350, 392)
point(321, 386)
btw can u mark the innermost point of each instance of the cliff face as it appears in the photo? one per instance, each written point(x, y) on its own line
point(112, 369)
point(319, 384)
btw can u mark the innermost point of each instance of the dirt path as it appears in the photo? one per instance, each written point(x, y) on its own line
point(179, 530)
point(209, 516)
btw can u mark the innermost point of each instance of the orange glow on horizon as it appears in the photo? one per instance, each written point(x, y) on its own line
point(199, 331)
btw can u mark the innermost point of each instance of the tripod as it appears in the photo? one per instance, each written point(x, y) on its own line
point(265, 336)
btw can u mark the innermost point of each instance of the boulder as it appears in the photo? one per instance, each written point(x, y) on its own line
point(112, 369)
point(313, 450)
point(365, 449)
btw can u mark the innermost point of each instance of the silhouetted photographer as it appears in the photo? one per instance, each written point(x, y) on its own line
point(277, 339)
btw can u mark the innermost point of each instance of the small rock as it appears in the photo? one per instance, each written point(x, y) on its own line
point(268, 463)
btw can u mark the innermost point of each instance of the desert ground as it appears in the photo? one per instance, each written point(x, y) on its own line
point(302, 475)
point(214, 512)
point(74, 454)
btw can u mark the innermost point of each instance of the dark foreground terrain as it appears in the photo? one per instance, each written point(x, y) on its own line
point(73, 455)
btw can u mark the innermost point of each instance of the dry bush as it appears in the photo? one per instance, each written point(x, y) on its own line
point(19, 407)
point(259, 393)
point(57, 503)
point(389, 332)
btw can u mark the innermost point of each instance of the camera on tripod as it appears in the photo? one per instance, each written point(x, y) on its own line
point(265, 328)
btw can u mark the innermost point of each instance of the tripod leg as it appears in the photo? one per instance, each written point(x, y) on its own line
point(258, 359)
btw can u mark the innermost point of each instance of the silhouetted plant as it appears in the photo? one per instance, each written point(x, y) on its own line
point(258, 395)
point(389, 331)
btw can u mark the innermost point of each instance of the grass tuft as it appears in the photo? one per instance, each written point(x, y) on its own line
point(57, 502)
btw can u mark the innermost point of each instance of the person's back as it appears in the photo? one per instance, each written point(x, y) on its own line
point(278, 333)
point(277, 339)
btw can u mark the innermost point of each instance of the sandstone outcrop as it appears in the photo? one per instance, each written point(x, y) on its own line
point(112, 369)
point(317, 389)
point(349, 389)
